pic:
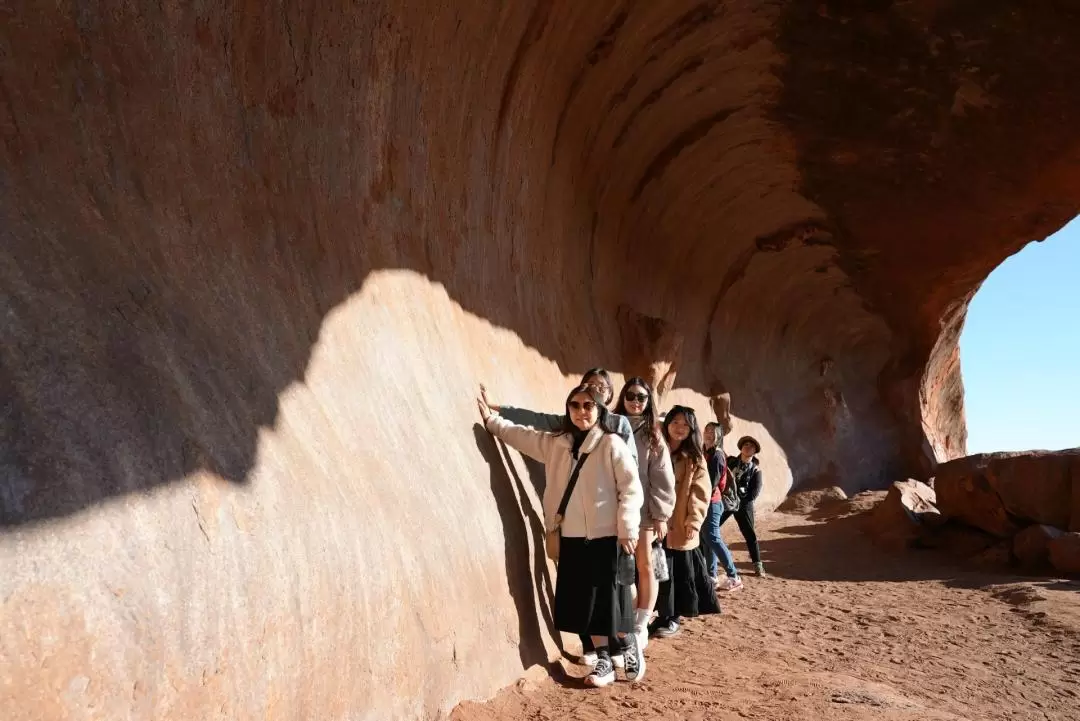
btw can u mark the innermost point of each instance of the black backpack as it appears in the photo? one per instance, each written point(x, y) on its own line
point(730, 495)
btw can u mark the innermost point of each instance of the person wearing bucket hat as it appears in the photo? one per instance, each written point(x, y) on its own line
point(745, 473)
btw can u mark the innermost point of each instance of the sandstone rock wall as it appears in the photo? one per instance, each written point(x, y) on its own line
point(255, 260)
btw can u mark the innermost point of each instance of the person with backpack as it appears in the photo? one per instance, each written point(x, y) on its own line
point(745, 474)
point(592, 517)
point(724, 495)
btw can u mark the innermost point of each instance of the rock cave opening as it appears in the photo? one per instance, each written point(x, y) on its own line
point(1018, 350)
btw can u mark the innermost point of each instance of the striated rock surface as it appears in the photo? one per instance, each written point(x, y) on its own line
point(255, 261)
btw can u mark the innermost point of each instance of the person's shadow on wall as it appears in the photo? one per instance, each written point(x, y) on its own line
point(523, 530)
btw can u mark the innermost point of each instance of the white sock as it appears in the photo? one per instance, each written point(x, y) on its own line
point(641, 618)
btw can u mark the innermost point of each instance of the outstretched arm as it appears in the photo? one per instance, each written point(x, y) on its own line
point(533, 443)
point(522, 417)
point(540, 421)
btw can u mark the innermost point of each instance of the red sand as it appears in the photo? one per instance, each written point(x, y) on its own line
point(842, 630)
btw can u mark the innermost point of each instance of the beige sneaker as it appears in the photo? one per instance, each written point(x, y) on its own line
point(727, 583)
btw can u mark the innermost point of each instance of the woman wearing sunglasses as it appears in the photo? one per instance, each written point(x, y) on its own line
point(592, 499)
point(688, 591)
point(600, 380)
point(636, 402)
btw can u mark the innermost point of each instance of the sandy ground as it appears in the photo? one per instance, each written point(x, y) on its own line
point(842, 630)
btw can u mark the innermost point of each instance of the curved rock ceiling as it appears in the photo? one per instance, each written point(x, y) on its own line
point(256, 260)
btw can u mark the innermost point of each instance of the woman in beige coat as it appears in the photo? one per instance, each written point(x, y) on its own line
point(688, 591)
point(597, 517)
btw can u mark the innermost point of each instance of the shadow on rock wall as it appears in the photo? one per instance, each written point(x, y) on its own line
point(169, 253)
point(524, 533)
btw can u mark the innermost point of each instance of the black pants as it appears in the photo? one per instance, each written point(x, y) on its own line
point(745, 518)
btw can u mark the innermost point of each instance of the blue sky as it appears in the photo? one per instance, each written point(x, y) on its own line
point(1020, 350)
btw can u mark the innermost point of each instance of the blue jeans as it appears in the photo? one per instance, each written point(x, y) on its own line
point(716, 552)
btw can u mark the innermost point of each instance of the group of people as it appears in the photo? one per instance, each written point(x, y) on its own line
point(629, 495)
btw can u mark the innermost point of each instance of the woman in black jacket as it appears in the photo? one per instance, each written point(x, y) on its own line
point(745, 473)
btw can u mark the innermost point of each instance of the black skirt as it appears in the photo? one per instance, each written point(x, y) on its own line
point(587, 598)
point(688, 591)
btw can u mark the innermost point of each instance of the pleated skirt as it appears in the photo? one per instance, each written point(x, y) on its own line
point(587, 598)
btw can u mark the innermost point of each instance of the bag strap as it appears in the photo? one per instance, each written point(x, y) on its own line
point(570, 486)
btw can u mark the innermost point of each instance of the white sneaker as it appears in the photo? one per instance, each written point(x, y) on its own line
point(618, 661)
point(588, 659)
point(729, 584)
point(603, 674)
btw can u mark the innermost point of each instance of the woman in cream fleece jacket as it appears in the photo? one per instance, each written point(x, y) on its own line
point(599, 527)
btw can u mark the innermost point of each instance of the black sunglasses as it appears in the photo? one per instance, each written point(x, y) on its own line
point(582, 405)
point(640, 397)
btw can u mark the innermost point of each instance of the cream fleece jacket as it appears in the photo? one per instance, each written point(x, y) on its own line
point(608, 497)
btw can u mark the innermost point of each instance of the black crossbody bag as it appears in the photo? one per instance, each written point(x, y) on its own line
point(553, 538)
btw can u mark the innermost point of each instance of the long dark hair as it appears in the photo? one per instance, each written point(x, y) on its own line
point(649, 414)
point(691, 447)
point(602, 372)
point(605, 420)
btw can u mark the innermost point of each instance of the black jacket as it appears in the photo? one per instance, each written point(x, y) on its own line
point(749, 485)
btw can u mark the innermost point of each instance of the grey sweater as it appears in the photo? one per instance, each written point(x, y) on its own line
point(657, 478)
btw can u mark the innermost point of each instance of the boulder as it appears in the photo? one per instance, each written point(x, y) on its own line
point(1065, 553)
point(1074, 514)
point(1001, 492)
point(864, 501)
point(908, 509)
point(1035, 486)
point(805, 502)
point(1031, 546)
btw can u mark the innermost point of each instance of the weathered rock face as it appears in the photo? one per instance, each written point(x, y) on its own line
point(255, 261)
point(1031, 546)
point(1064, 552)
point(1002, 492)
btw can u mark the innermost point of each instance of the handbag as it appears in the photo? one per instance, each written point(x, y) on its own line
point(659, 559)
point(625, 568)
point(554, 536)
